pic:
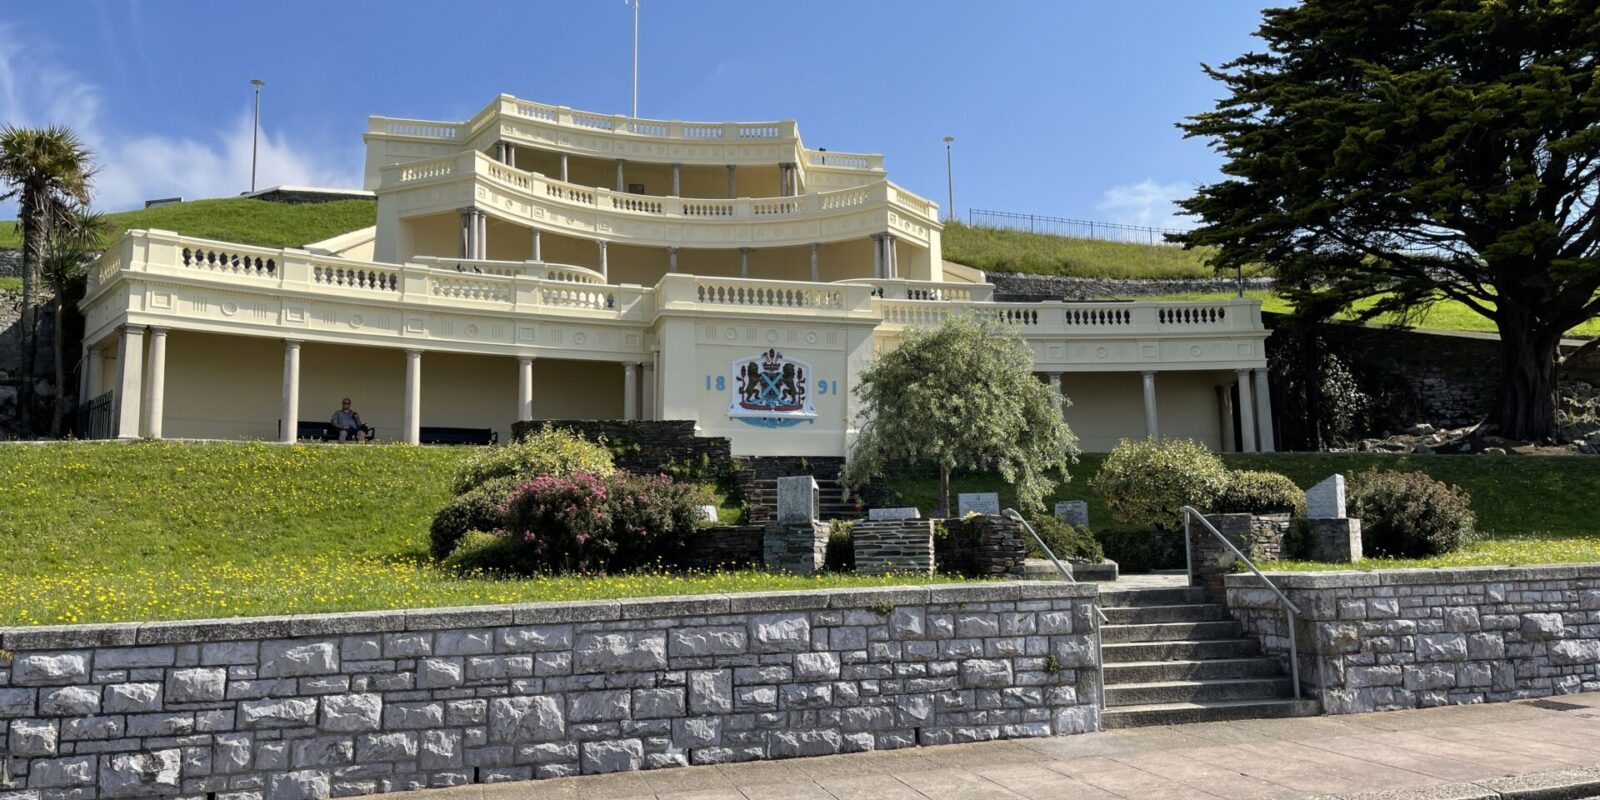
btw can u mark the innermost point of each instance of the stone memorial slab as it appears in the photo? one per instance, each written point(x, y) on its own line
point(876, 514)
point(978, 502)
point(709, 513)
point(1073, 512)
point(1326, 499)
point(798, 500)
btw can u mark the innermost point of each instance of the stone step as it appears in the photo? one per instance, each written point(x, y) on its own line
point(1138, 694)
point(1172, 631)
point(1138, 615)
point(1191, 670)
point(1123, 653)
point(1205, 711)
point(1123, 598)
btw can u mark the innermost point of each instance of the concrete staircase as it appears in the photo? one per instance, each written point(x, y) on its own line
point(1173, 656)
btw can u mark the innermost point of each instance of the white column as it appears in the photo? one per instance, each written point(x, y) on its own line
point(524, 388)
point(630, 390)
point(538, 247)
point(733, 185)
point(413, 405)
point(289, 431)
point(155, 383)
point(891, 257)
point(563, 167)
point(877, 255)
point(468, 229)
point(1247, 414)
point(622, 185)
point(130, 381)
point(88, 374)
point(672, 259)
point(1225, 412)
point(1264, 434)
point(1055, 388)
point(744, 262)
point(816, 274)
point(676, 169)
point(480, 242)
point(1151, 429)
point(604, 272)
point(649, 400)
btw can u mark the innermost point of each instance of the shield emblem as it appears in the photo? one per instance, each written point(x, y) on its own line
point(771, 390)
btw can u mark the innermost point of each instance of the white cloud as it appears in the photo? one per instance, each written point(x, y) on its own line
point(1146, 203)
point(36, 89)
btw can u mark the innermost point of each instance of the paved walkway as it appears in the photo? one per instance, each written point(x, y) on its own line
point(1285, 758)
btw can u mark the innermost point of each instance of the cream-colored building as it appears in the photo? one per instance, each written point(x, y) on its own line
point(536, 262)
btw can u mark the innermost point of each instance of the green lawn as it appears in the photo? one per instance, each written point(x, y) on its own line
point(1533, 509)
point(1445, 316)
point(241, 220)
point(10, 284)
point(991, 249)
point(98, 531)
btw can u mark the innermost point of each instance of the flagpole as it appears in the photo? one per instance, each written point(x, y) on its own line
point(636, 58)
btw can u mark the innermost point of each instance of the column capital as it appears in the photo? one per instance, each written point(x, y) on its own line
point(293, 342)
point(126, 328)
point(526, 359)
point(632, 363)
point(1149, 373)
point(744, 250)
point(672, 248)
point(815, 245)
point(159, 330)
point(414, 352)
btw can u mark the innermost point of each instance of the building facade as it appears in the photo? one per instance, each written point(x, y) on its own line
point(536, 262)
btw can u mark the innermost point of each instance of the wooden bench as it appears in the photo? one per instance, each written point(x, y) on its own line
point(432, 434)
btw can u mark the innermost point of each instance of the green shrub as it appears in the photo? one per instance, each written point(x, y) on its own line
point(1066, 541)
point(1144, 482)
point(1259, 492)
point(484, 552)
point(546, 451)
point(1410, 515)
point(841, 546)
point(588, 523)
point(652, 517)
point(1142, 551)
point(479, 509)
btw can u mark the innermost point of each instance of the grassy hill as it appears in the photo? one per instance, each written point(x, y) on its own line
point(237, 219)
point(997, 250)
point(1448, 315)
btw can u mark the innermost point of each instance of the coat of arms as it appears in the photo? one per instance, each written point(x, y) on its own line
point(771, 391)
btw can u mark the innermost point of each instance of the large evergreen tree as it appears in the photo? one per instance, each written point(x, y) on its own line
point(1418, 151)
point(962, 396)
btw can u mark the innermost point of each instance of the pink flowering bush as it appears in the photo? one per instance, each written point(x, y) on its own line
point(591, 523)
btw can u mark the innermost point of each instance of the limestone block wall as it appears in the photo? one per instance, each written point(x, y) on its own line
point(303, 708)
point(1396, 639)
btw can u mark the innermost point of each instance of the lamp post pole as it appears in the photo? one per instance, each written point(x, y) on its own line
point(949, 179)
point(255, 133)
point(636, 59)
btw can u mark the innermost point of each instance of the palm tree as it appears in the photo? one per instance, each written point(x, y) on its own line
point(74, 240)
point(45, 169)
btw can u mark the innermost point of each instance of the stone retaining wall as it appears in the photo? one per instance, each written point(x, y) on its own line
point(646, 446)
point(303, 708)
point(1018, 286)
point(898, 545)
point(1396, 639)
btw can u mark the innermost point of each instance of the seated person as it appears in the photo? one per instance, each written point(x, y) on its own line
point(348, 423)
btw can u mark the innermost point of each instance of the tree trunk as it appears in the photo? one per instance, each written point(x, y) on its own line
point(58, 407)
point(944, 488)
point(33, 233)
point(1525, 404)
point(1311, 379)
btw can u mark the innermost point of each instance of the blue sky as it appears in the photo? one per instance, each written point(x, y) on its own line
point(1062, 107)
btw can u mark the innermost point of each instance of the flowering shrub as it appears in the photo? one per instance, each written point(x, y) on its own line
point(546, 451)
point(1144, 482)
point(589, 523)
point(1259, 492)
point(1410, 515)
point(479, 509)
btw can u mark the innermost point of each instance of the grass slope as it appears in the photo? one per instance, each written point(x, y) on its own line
point(1531, 508)
point(96, 531)
point(241, 220)
point(1017, 251)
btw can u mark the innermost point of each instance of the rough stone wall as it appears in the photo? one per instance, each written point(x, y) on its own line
point(800, 548)
point(1016, 286)
point(1260, 537)
point(981, 546)
point(645, 445)
point(885, 546)
point(1397, 639)
point(725, 546)
point(304, 708)
point(10, 263)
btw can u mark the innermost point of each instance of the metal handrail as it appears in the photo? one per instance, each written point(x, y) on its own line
point(1099, 653)
point(1290, 610)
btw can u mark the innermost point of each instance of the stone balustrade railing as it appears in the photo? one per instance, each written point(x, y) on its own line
point(1066, 318)
point(537, 187)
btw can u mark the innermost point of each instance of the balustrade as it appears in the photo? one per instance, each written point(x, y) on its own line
point(235, 263)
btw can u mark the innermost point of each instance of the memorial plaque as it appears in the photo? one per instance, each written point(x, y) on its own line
point(979, 502)
point(1326, 499)
point(709, 512)
point(798, 499)
point(893, 513)
point(1073, 512)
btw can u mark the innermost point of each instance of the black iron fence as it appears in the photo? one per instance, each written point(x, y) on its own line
point(1063, 226)
point(92, 420)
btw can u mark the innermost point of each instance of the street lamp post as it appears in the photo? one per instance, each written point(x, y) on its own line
point(255, 133)
point(949, 179)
